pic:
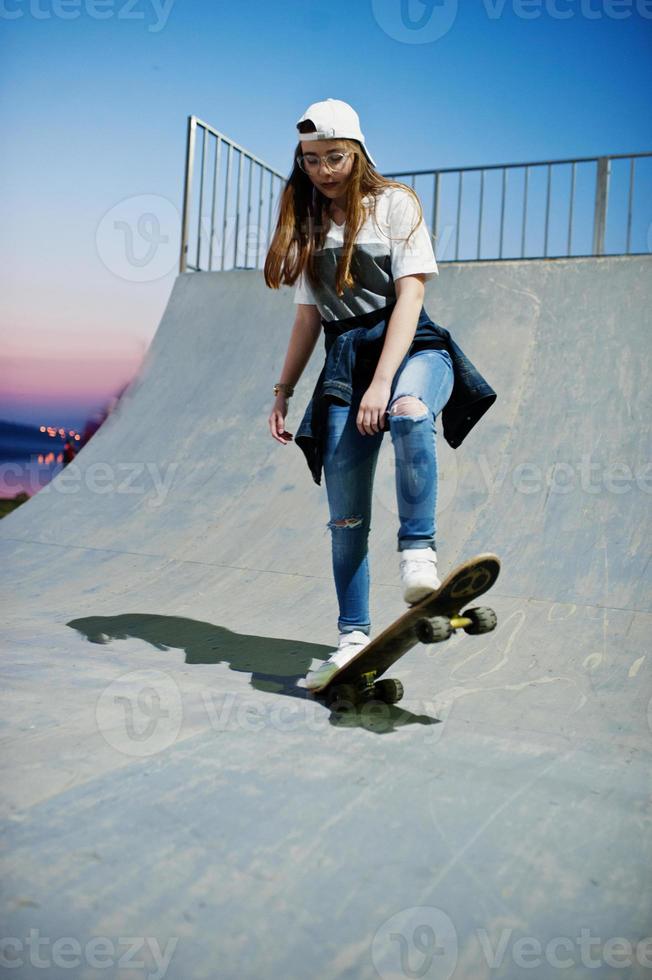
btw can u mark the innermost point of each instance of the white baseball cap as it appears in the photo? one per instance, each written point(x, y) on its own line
point(334, 119)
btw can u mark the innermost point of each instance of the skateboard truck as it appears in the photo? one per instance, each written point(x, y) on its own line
point(432, 619)
point(434, 629)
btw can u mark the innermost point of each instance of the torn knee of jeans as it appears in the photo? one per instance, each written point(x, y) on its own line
point(346, 521)
point(408, 405)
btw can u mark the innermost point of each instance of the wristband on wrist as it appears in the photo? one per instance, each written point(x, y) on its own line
point(284, 389)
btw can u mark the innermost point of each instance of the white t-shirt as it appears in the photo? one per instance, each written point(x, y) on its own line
point(380, 256)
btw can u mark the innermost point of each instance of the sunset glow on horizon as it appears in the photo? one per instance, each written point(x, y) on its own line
point(43, 390)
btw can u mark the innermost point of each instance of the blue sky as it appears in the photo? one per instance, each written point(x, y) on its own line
point(94, 112)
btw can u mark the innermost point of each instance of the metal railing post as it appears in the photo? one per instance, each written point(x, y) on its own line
point(630, 198)
point(187, 185)
point(600, 209)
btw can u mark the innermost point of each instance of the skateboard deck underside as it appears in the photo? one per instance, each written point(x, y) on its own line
point(464, 584)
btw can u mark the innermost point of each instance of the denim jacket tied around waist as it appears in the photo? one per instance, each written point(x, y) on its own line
point(353, 347)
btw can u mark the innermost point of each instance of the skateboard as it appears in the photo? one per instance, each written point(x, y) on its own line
point(429, 620)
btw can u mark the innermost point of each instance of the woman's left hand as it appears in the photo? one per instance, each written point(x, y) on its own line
point(371, 413)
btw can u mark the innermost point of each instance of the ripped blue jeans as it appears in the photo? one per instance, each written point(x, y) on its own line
point(349, 465)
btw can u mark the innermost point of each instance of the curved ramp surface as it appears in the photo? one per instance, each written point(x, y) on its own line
point(166, 778)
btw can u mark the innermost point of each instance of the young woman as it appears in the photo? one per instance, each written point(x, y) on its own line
point(359, 248)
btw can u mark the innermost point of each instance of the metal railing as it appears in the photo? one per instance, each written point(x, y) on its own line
point(219, 231)
point(485, 232)
point(515, 214)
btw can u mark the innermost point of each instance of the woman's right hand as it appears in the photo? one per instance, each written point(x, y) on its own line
point(277, 420)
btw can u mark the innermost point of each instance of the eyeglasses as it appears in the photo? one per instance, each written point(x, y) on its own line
point(335, 160)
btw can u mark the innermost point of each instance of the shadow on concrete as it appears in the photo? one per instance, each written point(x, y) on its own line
point(275, 665)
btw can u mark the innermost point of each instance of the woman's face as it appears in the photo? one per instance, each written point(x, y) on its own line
point(330, 183)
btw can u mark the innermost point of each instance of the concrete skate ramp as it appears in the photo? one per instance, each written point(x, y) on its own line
point(164, 778)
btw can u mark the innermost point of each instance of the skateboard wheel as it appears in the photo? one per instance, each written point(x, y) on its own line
point(389, 690)
point(483, 619)
point(341, 697)
point(434, 630)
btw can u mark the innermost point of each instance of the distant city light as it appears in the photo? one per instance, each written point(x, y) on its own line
point(53, 431)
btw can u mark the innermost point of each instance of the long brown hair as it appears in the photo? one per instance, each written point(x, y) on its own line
point(304, 219)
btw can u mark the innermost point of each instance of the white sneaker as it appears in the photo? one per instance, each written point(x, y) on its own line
point(348, 647)
point(418, 567)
